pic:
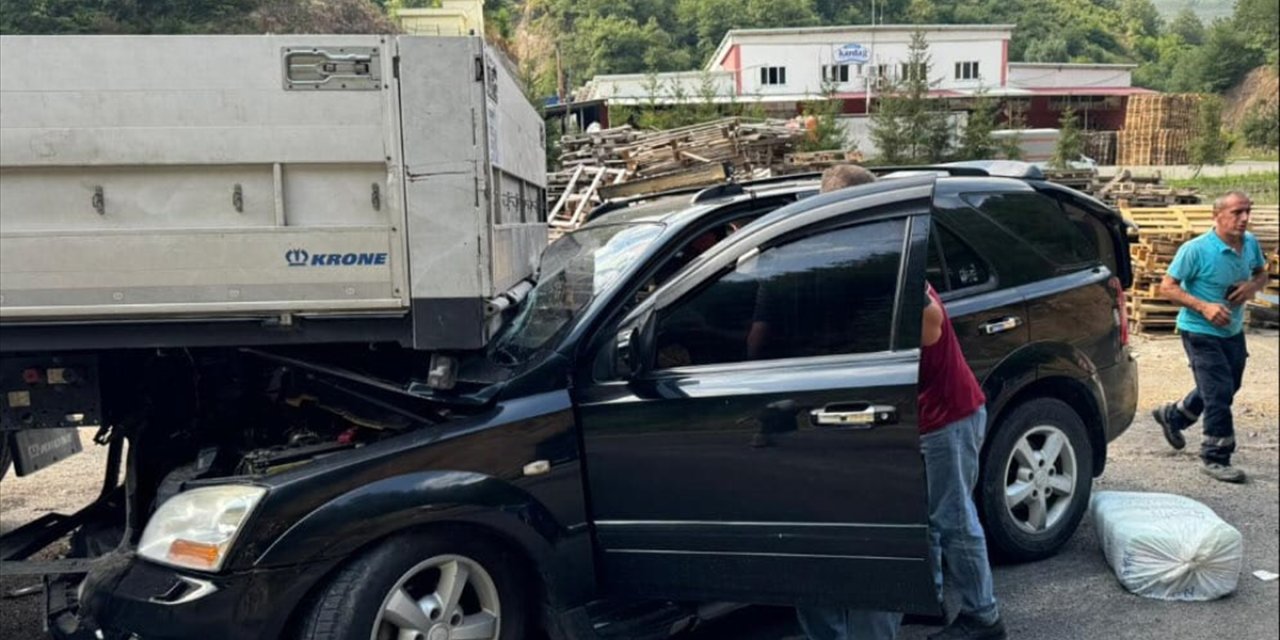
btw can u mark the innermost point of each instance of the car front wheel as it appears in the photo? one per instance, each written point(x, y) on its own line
point(421, 587)
point(1036, 478)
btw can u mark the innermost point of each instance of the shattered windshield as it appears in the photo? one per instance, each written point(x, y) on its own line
point(573, 271)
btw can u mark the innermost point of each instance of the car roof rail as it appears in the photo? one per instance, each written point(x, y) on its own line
point(925, 168)
point(718, 191)
point(736, 188)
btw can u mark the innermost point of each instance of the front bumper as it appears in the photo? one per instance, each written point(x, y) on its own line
point(127, 597)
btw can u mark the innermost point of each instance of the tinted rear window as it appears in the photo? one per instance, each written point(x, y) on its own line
point(1040, 222)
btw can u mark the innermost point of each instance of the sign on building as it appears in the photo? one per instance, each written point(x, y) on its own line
point(852, 52)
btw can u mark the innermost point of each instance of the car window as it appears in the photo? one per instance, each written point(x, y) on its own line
point(1040, 222)
point(825, 294)
point(692, 248)
point(964, 269)
point(1097, 233)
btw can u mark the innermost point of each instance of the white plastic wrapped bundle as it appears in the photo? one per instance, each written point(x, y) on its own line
point(1167, 547)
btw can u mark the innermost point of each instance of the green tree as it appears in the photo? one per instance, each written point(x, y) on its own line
point(1225, 58)
point(976, 141)
point(888, 132)
point(1187, 26)
point(908, 126)
point(1070, 140)
point(1141, 18)
point(126, 16)
point(940, 137)
point(827, 133)
point(1010, 146)
point(921, 12)
point(1210, 145)
point(1051, 49)
point(1261, 126)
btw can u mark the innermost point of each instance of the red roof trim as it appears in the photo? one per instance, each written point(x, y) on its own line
point(1087, 91)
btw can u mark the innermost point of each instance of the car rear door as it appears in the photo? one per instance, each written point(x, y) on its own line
point(765, 448)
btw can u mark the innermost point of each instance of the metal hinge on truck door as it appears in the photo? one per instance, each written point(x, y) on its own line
point(332, 68)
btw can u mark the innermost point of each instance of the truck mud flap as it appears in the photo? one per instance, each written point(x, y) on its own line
point(36, 449)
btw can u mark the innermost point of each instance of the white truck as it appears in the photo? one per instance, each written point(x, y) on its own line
point(184, 201)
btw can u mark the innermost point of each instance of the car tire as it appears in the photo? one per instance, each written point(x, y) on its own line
point(403, 584)
point(1037, 473)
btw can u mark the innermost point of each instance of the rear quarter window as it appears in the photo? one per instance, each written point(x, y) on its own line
point(1097, 233)
point(1041, 223)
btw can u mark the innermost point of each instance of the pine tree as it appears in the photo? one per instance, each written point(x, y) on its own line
point(827, 133)
point(1010, 146)
point(1209, 146)
point(976, 142)
point(907, 126)
point(1070, 140)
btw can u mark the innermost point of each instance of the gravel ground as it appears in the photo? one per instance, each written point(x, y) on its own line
point(1073, 595)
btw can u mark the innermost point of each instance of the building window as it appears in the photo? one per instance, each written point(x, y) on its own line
point(967, 71)
point(908, 71)
point(773, 75)
point(835, 73)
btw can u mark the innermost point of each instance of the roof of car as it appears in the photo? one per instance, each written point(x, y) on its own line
point(672, 207)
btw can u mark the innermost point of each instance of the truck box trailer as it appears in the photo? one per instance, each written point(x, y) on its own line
point(232, 190)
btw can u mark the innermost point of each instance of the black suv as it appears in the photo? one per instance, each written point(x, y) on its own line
point(697, 402)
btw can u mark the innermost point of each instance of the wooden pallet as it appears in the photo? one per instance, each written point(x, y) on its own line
point(580, 195)
point(1152, 315)
point(1157, 147)
point(1151, 112)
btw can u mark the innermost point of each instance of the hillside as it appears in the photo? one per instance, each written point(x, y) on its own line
point(1206, 10)
point(1261, 86)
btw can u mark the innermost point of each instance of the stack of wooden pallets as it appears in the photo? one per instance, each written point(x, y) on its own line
point(593, 161)
point(1161, 231)
point(1158, 129)
point(1101, 146)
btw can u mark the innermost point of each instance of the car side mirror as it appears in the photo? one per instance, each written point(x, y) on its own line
point(631, 347)
point(627, 353)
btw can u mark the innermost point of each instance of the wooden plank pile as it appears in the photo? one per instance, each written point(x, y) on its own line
point(1158, 129)
point(597, 159)
point(1126, 190)
point(1161, 231)
point(815, 161)
point(1264, 311)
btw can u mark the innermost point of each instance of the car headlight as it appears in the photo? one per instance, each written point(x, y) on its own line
point(195, 529)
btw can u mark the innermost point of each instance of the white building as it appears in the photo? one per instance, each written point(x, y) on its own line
point(783, 68)
point(798, 64)
point(806, 61)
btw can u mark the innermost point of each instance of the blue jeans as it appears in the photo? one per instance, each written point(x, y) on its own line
point(1218, 366)
point(951, 469)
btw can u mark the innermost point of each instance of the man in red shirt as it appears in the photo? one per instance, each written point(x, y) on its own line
point(952, 423)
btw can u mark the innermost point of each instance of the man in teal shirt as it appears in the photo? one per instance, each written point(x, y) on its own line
point(1211, 278)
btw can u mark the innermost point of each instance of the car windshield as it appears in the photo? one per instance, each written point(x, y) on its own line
point(573, 271)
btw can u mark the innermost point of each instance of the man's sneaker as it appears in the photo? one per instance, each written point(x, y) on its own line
point(1223, 472)
point(1171, 434)
point(966, 627)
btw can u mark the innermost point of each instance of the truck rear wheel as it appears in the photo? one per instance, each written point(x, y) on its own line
point(424, 587)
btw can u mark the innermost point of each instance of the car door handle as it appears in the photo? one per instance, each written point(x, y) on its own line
point(1000, 326)
point(856, 415)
